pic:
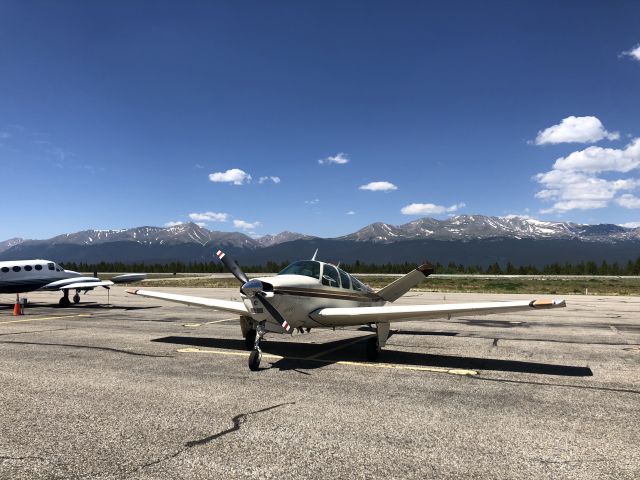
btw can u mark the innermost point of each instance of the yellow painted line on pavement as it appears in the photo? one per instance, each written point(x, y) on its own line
point(450, 371)
point(223, 320)
point(46, 318)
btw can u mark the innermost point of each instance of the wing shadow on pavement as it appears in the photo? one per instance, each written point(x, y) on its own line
point(313, 355)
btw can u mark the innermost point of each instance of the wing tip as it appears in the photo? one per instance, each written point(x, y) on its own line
point(132, 291)
point(547, 303)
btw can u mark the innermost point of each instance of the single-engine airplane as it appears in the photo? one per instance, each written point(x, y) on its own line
point(312, 294)
point(21, 276)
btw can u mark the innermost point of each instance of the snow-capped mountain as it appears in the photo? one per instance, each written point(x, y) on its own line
point(477, 227)
point(475, 239)
point(5, 245)
point(282, 237)
point(177, 234)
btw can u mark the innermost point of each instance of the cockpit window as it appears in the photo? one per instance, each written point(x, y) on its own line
point(330, 276)
point(308, 268)
point(344, 277)
point(51, 267)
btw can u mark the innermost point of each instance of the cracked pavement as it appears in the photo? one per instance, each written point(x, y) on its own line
point(145, 389)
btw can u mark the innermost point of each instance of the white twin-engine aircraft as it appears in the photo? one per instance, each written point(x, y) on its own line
point(21, 276)
point(312, 294)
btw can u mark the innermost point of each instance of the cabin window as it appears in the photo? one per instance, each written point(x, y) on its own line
point(308, 268)
point(38, 267)
point(16, 268)
point(344, 277)
point(51, 267)
point(330, 276)
point(5, 269)
point(28, 268)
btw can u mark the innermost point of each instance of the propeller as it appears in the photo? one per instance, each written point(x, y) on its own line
point(232, 266)
point(254, 288)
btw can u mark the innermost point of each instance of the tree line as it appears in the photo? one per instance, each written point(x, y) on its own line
point(583, 268)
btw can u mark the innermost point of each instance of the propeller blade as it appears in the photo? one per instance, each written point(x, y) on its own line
point(272, 310)
point(232, 266)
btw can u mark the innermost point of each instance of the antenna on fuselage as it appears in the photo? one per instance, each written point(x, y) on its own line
point(314, 255)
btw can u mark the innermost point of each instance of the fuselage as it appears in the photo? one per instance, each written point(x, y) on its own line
point(20, 276)
point(306, 286)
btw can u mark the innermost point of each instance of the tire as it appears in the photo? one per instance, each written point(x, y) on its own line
point(250, 340)
point(371, 349)
point(76, 298)
point(64, 302)
point(254, 360)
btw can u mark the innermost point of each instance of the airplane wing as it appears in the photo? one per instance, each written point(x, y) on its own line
point(86, 285)
point(361, 315)
point(81, 283)
point(225, 305)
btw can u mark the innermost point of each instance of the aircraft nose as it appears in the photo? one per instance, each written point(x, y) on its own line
point(255, 286)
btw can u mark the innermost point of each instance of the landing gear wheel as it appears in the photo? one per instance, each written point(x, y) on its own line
point(254, 360)
point(64, 302)
point(372, 350)
point(76, 298)
point(250, 340)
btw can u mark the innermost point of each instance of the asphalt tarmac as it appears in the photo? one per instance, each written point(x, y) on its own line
point(146, 389)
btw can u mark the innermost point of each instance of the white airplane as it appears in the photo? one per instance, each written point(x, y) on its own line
point(311, 294)
point(21, 276)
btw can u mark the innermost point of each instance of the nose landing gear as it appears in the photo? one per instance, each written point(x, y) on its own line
point(256, 353)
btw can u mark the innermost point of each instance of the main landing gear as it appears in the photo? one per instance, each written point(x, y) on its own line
point(375, 344)
point(65, 302)
point(256, 353)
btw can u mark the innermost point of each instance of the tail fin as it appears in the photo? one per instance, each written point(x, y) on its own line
point(396, 289)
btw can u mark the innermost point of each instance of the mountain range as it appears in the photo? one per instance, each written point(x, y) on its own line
point(463, 239)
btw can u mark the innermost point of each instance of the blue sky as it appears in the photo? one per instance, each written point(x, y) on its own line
point(121, 114)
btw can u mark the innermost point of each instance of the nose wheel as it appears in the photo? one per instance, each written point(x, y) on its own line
point(76, 298)
point(256, 353)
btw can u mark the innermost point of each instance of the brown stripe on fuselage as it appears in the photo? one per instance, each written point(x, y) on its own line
point(321, 293)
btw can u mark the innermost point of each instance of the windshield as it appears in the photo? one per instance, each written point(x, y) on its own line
point(308, 268)
point(358, 285)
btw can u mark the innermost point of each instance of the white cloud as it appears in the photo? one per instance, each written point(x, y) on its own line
point(350, 212)
point(312, 202)
point(379, 187)
point(265, 179)
point(430, 209)
point(575, 130)
point(209, 217)
point(633, 53)
point(173, 224)
point(598, 159)
point(573, 183)
point(201, 224)
point(631, 225)
point(245, 225)
point(628, 201)
point(339, 159)
point(234, 175)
